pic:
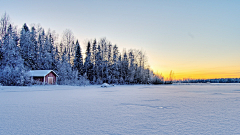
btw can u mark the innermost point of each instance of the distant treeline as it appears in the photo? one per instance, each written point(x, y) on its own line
point(220, 80)
point(35, 49)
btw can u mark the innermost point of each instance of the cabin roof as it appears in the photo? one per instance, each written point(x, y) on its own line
point(40, 72)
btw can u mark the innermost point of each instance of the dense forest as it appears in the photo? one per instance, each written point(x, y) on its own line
point(33, 48)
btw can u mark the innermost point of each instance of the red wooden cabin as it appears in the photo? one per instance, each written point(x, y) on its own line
point(44, 76)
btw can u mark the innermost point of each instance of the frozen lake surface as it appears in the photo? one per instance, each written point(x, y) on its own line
point(138, 109)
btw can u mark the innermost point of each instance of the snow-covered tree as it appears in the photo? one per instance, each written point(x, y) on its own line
point(131, 72)
point(125, 67)
point(99, 65)
point(64, 70)
point(57, 59)
point(94, 61)
point(109, 73)
point(157, 78)
point(1, 52)
point(67, 42)
point(47, 60)
point(27, 48)
point(4, 23)
point(78, 60)
point(94, 52)
point(88, 66)
point(12, 68)
point(40, 59)
point(115, 65)
point(52, 51)
point(34, 45)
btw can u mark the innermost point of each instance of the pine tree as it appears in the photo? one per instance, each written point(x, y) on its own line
point(52, 52)
point(78, 60)
point(88, 66)
point(1, 53)
point(12, 68)
point(64, 70)
point(34, 45)
point(104, 61)
point(115, 66)
point(140, 72)
point(93, 60)
point(72, 52)
point(40, 60)
point(46, 55)
point(94, 52)
point(109, 70)
point(99, 65)
point(57, 55)
point(131, 72)
point(26, 48)
point(120, 69)
point(125, 67)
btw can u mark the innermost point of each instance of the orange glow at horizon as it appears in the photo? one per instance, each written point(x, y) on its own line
point(227, 72)
point(206, 75)
point(224, 66)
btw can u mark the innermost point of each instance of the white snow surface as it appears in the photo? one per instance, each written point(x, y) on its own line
point(138, 109)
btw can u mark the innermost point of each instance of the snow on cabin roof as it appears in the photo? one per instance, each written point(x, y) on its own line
point(40, 72)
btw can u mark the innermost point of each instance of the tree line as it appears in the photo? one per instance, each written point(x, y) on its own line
point(217, 80)
point(35, 49)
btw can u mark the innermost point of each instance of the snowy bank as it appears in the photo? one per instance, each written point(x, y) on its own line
point(138, 109)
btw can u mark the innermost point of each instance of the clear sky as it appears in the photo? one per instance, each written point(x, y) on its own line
point(194, 38)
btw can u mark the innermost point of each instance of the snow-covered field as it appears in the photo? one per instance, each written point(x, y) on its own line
point(139, 109)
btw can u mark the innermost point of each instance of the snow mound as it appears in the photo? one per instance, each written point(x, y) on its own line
point(106, 85)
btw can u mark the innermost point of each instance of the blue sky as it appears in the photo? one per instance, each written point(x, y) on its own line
point(193, 38)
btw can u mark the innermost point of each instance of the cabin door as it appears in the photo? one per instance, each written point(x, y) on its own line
point(50, 80)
